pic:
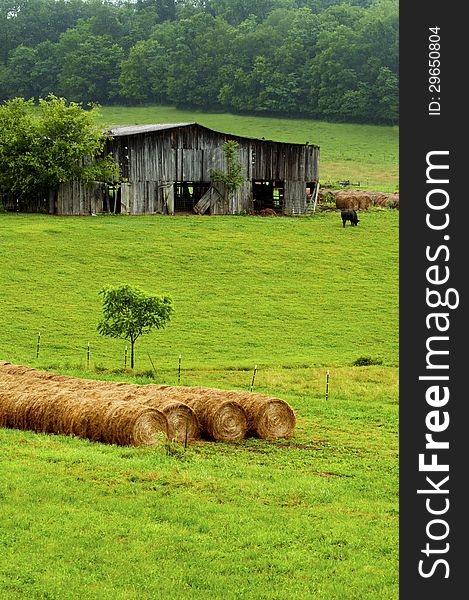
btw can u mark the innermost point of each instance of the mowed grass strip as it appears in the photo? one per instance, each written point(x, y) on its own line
point(366, 155)
point(312, 516)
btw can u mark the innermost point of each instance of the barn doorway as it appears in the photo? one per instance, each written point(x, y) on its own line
point(112, 199)
point(268, 195)
point(311, 187)
point(187, 194)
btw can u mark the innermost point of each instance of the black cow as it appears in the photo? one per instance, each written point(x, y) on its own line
point(349, 215)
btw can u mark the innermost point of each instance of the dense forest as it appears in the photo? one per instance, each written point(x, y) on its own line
point(328, 59)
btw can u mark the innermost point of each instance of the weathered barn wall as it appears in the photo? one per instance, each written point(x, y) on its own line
point(77, 198)
point(295, 197)
point(155, 159)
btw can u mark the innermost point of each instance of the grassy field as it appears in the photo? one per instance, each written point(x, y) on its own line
point(314, 516)
point(367, 155)
point(283, 292)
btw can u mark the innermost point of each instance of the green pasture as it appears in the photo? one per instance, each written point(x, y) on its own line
point(365, 155)
point(283, 292)
point(314, 516)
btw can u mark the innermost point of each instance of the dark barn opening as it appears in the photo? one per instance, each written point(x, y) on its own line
point(187, 194)
point(310, 190)
point(112, 199)
point(268, 194)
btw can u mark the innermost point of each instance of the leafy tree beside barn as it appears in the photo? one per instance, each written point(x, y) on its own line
point(45, 145)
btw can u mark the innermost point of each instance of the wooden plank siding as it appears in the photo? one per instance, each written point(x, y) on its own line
point(77, 198)
point(154, 158)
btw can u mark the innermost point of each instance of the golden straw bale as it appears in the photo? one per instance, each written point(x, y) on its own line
point(268, 417)
point(217, 414)
point(123, 423)
point(183, 423)
point(181, 419)
point(355, 199)
point(220, 419)
point(51, 411)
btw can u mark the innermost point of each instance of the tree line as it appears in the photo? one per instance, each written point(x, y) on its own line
point(327, 59)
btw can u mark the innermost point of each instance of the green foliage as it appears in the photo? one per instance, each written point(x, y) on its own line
point(43, 146)
point(129, 313)
point(232, 177)
point(328, 59)
point(90, 64)
point(144, 74)
point(366, 361)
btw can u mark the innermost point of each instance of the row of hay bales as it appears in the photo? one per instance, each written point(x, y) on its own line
point(358, 199)
point(131, 414)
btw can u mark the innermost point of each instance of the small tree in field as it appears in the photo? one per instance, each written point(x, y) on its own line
point(129, 312)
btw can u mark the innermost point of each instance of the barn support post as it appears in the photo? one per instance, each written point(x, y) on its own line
point(315, 201)
point(52, 208)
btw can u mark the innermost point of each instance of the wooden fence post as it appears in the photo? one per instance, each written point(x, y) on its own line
point(253, 376)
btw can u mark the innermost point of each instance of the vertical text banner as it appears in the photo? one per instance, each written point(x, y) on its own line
point(434, 242)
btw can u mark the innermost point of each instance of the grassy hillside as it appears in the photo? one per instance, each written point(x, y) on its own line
point(313, 516)
point(277, 292)
point(367, 155)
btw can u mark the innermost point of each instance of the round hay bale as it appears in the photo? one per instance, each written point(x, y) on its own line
point(181, 419)
point(125, 423)
point(356, 199)
point(183, 423)
point(225, 420)
point(378, 198)
point(268, 417)
point(182, 416)
point(385, 199)
point(343, 203)
point(392, 200)
point(49, 410)
point(268, 212)
point(217, 414)
point(113, 422)
point(221, 419)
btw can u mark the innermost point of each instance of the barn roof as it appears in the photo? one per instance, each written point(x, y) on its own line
point(121, 130)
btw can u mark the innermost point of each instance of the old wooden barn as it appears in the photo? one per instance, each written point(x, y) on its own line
point(167, 168)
